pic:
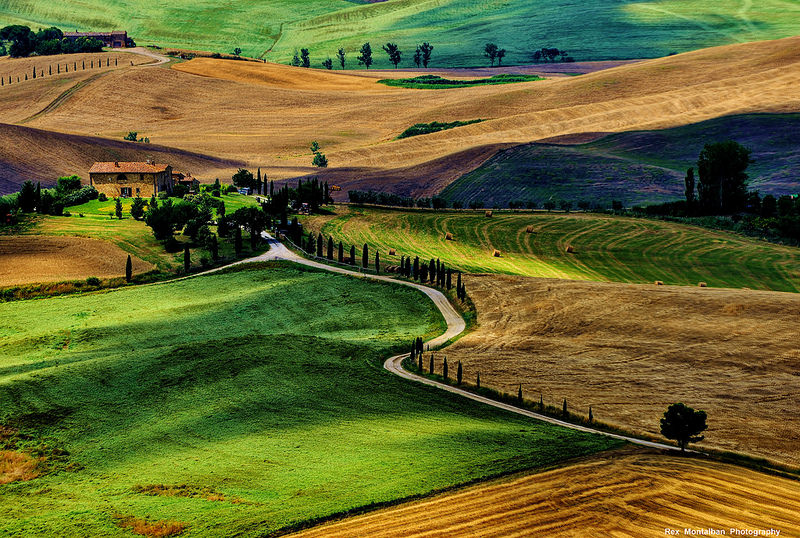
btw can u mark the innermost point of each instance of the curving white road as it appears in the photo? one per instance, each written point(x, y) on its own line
point(455, 326)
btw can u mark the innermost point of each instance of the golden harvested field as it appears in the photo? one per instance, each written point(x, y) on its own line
point(267, 114)
point(628, 494)
point(631, 350)
point(42, 258)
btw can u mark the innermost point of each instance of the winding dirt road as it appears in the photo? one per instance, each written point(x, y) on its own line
point(455, 326)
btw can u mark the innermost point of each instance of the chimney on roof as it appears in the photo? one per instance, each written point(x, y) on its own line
point(149, 161)
point(116, 163)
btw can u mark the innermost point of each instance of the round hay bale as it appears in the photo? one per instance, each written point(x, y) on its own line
point(659, 283)
point(392, 252)
point(448, 237)
point(488, 214)
point(529, 229)
point(496, 254)
point(569, 249)
point(702, 285)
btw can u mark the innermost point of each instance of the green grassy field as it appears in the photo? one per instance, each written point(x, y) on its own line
point(458, 29)
point(130, 235)
point(638, 167)
point(606, 248)
point(260, 387)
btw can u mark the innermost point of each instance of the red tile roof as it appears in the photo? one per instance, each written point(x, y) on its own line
point(127, 168)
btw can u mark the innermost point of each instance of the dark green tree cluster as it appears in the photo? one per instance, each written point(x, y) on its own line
point(390, 199)
point(32, 197)
point(547, 54)
point(494, 53)
point(20, 41)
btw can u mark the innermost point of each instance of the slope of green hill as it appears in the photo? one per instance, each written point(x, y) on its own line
point(458, 29)
point(636, 168)
point(604, 247)
point(235, 404)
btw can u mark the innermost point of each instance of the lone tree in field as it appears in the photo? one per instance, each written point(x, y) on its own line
point(137, 208)
point(417, 57)
point(426, 49)
point(128, 269)
point(365, 55)
point(327, 63)
point(237, 52)
point(722, 168)
point(393, 51)
point(683, 424)
point(341, 55)
point(305, 58)
point(490, 51)
point(501, 53)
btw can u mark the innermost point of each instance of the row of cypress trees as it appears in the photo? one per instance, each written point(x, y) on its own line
point(40, 73)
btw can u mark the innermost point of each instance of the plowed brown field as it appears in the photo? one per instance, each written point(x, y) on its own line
point(268, 114)
point(630, 495)
point(631, 350)
point(41, 258)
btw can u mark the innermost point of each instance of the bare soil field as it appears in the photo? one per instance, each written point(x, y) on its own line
point(266, 114)
point(41, 258)
point(627, 494)
point(631, 350)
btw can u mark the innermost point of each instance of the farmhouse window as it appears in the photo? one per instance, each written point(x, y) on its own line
point(126, 192)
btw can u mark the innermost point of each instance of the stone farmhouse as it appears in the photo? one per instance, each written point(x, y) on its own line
point(127, 179)
point(115, 40)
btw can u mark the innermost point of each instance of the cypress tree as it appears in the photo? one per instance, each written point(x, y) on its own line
point(377, 261)
point(432, 271)
point(34, 72)
point(420, 362)
point(319, 246)
point(341, 252)
point(478, 381)
point(459, 373)
point(330, 248)
point(591, 416)
point(541, 402)
point(402, 265)
point(458, 286)
point(237, 242)
point(444, 369)
point(431, 364)
point(416, 268)
point(365, 256)
point(419, 343)
point(449, 279)
point(129, 270)
point(353, 255)
point(258, 179)
point(519, 394)
point(187, 260)
point(310, 243)
point(564, 409)
point(214, 247)
point(50, 70)
point(423, 273)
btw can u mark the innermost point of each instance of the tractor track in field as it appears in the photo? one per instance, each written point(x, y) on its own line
point(64, 97)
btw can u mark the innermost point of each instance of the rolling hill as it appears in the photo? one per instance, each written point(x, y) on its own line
point(605, 248)
point(636, 167)
point(228, 406)
point(458, 29)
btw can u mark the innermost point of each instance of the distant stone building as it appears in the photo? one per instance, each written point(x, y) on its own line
point(115, 40)
point(186, 180)
point(121, 179)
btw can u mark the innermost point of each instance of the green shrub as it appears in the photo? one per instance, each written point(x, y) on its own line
point(93, 281)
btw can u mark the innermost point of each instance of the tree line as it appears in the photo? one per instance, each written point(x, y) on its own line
point(33, 198)
point(19, 41)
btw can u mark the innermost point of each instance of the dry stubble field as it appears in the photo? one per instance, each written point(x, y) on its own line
point(631, 350)
point(630, 493)
point(266, 114)
point(40, 258)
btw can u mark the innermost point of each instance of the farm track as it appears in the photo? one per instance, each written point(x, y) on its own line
point(64, 97)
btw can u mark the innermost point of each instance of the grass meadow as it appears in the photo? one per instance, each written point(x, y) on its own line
point(237, 403)
point(129, 234)
point(458, 29)
point(605, 248)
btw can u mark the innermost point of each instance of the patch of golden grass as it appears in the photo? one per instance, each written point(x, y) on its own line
point(621, 347)
point(17, 466)
point(630, 493)
point(40, 258)
point(154, 529)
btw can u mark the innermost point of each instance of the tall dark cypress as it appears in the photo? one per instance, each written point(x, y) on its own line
point(341, 252)
point(458, 285)
point(431, 365)
point(377, 262)
point(423, 273)
point(420, 362)
point(402, 265)
point(459, 373)
point(444, 369)
point(319, 245)
point(237, 242)
point(214, 247)
point(365, 256)
point(416, 267)
point(310, 243)
point(187, 260)
point(330, 248)
point(353, 255)
point(564, 409)
point(128, 269)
